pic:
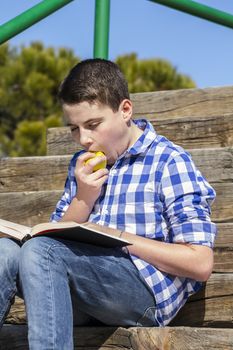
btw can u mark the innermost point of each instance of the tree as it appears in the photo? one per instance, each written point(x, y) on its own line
point(29, 80)
point(152, 74)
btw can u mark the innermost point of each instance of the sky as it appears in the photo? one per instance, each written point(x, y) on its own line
point(196, 47)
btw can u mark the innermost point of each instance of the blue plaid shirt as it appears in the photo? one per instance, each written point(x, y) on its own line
point(154, 190)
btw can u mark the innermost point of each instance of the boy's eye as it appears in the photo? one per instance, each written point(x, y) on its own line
point(76, 128)
point(93, 126)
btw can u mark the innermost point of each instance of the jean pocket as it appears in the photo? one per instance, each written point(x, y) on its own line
point(148, 318)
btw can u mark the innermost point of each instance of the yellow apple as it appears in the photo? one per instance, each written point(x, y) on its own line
point(101, 165)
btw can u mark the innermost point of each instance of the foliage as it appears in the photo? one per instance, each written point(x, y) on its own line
point(152, 74)
point(29, 79)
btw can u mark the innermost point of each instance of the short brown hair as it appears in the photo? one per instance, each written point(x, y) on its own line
point(94, 80)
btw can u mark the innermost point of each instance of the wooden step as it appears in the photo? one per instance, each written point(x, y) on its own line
point(32, 207)
point(49, 172)
point(196, 131)
point(115, 338)
point(183, 103)
point(212, 306)
point(33, 173)
point(28, 208)
point(223, 251)
point(192, 118)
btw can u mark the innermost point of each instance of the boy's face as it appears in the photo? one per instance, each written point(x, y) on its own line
point(97, 128)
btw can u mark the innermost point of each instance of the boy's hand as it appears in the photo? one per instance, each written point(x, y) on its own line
point(89, 181)
point(100, 165)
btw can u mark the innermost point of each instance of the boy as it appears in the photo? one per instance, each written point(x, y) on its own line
point(150, 190)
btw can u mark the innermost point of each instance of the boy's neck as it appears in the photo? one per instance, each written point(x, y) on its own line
point(136, 132)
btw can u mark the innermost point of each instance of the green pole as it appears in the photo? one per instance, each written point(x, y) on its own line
point(101, 36)
point(29, 17)
point(199, 10)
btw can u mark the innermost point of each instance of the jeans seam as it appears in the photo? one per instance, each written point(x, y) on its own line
point(52, 291)
point(50, 248)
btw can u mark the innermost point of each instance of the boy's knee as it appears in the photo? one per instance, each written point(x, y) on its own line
point(9, 254)
point(9, 249)
point(32, 249)
point(35, 251)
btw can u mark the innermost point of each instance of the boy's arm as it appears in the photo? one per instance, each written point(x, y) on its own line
point(78, 211)
point(89, 186)
point(186, 197)
point(184, 260)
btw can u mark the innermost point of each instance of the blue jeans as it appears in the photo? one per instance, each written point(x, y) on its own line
point(66, 283)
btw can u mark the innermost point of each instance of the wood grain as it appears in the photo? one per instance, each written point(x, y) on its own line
point(49, 173)
point(188, 132)
point(206, 306)
point(28, 208)
point(115, 338)
point(184, 103)
point(192, 118)
point(33, 207)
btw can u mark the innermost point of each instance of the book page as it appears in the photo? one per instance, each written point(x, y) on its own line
point(87, 233)
point(15, 230)
point(102, 229)
point(49, 226)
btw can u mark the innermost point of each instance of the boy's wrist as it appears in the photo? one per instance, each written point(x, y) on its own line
point(88, 204)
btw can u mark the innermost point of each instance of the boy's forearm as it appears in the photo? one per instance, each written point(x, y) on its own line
point(78, 211)
point(184, 260)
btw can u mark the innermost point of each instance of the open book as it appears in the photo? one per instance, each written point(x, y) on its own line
point(88, 232)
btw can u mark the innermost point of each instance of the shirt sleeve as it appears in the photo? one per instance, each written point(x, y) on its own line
point(70, 190)
point(187, 197)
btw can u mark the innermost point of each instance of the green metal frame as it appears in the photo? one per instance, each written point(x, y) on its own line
point(199, 10)
point(102, 15)
point(30, 17)
point(101, 37)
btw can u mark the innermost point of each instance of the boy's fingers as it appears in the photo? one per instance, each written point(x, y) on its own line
point(84, 157)
point(90, 161)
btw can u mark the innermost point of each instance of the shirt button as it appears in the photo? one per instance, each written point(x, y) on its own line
point(113, 172)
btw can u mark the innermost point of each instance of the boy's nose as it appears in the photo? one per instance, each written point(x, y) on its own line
point(85, 139)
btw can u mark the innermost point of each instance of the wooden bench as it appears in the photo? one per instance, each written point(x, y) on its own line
point(201, 120)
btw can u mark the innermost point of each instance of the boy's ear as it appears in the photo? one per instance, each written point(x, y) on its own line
point(126, 109)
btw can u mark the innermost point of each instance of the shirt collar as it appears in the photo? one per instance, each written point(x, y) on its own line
point(145, 139)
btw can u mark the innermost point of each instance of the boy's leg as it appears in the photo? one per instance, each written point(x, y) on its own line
point(104, 281)
point(9, 263)
point(45, 287)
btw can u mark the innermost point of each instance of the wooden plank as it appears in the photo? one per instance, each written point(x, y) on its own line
point(225, 235)
point(205, 306)
point(59, 142)
point(49, 173)
point(218, 285)
point(212, 306)
point(28, 208)
point(187, 102)
point(203, 313)
point(222, 209)
point(33, 173)
point(189, 132)
point(31, 207)
point(204, 118)
point(17, 314)
point(219, 159)
point(115, 338)
point(197, 131)
point(223, 260)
